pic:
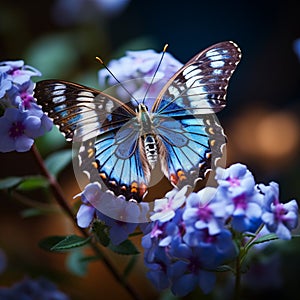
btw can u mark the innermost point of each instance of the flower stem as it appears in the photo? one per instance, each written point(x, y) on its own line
point(59, 196)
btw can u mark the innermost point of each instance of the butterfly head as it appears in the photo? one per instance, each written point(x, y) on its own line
point(141, 108)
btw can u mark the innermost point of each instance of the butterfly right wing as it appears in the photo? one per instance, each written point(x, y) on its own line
point(75, 107)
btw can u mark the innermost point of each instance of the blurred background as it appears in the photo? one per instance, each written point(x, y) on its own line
point(62, 37)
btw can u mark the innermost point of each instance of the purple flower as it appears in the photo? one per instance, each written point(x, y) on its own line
point(165, 208)
point(122, 217)
point(22, 119)
point(17, 130)
point(19, 73)
point(86, 212)
point(32, 289)
point(5, 84)
point(192, 268)
point(120, 230)
point(136, 71)
point(279, 218)
point(203, 211)
point(235, 180)
point(243, 200)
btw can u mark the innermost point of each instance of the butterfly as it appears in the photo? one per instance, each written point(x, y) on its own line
point(121, 143)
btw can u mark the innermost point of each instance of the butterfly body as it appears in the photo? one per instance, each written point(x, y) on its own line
point(123, 143)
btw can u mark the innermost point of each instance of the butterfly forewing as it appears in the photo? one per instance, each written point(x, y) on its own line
point(74, 107)
point(199, 87)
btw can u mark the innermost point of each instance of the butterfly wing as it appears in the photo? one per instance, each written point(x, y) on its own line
point(192, 143)
point(106, 129)
point(80, 112)
point(115, 161)
point(199, 87)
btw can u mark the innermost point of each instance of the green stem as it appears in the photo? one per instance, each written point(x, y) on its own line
point(59, 196)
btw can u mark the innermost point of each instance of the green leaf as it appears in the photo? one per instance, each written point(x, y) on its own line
point(32, 183)
point(125, 248)
point(101, 232)
point(57, 161)
point(266, 238)
point(77, 263)
point(10, 182)
point(63, 243)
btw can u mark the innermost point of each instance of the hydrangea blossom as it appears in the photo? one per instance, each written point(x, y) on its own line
point(136, 71)
point(40, 288)
point(21, 118)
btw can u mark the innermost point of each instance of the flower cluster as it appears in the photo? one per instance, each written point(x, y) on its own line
point(121, 217)
point(183, 248)
point(32, 289)
point(192, 234)
point(136, 72)
point(21, 119)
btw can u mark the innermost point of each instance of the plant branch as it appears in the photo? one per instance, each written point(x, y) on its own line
point(59, 196)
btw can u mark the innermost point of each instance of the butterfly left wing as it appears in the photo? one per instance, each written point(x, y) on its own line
point(75, 107)
point(107, 130)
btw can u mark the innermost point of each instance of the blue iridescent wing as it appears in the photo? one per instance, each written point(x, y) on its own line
point(190, 98)
point(114, 159)
point(105, 128)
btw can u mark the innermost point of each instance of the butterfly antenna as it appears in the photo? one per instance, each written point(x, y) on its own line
point(111, 73)
point(157, 68)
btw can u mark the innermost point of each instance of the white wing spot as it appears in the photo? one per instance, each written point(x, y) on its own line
point(217, 64)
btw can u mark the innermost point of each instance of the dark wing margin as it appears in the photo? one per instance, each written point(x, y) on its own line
point(200, 86)
point(77, 107)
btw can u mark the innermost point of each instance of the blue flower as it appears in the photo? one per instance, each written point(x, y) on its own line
point(29, 289)
point(120, 230)
point(121, 217)
point(17, 130)
point(16, 91)
point(5, 84)
point(193, 267)
point(279, 218)
point(136, 70)
point(165, 208)
point(235, 180)
point(18, 73)
point(243, 199)
point(203, 211)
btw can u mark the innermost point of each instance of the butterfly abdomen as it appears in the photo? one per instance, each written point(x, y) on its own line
point(150, 150)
